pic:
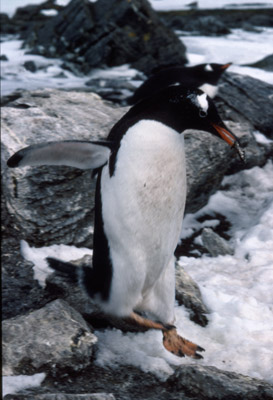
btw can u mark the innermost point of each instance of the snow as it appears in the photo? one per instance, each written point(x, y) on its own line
point(166, 5)
point(13, 384)
point(239, 47)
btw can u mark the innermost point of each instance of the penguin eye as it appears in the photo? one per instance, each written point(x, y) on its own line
point(202, 113)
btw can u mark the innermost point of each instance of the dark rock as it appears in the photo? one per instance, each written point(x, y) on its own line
point(266, 63)
point(221, 21)
point(30, 66)
point(245, 99)
point(215, 244)
point(55, 205)
point(108, 33)
point(53, 337)
point(32, 17)
point(20, 291)
point(187, 293)
point(6, 24)
point(201, 382)
point(3, 57)
point(203, 25)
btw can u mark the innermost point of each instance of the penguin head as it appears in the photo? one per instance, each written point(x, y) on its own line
point(211, 72)
point(208, 73)
point(181, 108)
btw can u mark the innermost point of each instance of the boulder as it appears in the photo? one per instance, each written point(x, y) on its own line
point(202, 382)
point(245, 99)
point(215, 244)
point(187, 293)
point(52, 338)
point(107, 33)
point(54, 204)
point(20, 291)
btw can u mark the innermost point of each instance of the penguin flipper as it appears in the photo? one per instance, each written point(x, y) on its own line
point(72, 153)
point(64, 268)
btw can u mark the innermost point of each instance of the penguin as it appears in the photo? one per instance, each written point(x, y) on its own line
point(139, 206)
point(202, 76)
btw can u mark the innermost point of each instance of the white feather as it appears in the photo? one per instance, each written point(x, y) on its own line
point(143, 205)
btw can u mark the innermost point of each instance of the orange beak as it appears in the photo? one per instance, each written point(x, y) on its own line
point(230, 139)
point(225, 66)
point(225, 134)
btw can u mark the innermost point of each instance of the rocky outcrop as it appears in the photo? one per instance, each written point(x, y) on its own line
point(218, 21)
point(54, 337)
point(107, 33)
point(38, 198)
point(201, 382)
point(265, 63)
point(245, 99)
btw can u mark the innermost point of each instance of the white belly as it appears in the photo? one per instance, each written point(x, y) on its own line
point(143, 205)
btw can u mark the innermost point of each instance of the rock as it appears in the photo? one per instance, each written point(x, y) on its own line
point(215, 244)
point(107, 33)
point(245, 99)
point(20, 291)
point(55, 205)
point(204, 382)
point(61, 396)
point(220, 21)
point(3, 57)
point(204, 25)
point(30, 66)
point(53, 337)
point(30, 17)
point(266, 63)
point(6, 24)
point(187, 293)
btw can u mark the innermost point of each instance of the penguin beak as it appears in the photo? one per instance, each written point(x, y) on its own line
point(231, 139)
point(225, 66)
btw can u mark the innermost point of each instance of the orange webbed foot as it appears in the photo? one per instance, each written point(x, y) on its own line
point(179, 346)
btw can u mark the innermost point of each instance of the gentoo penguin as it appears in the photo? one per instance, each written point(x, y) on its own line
point(140, 199)
point(202, 76)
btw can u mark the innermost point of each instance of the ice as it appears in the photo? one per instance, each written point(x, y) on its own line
point(13, 384)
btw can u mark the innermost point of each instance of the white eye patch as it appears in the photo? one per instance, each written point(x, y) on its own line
point(208, 68)
point(202, 100)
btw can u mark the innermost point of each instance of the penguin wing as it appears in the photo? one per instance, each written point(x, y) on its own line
point(72, 153)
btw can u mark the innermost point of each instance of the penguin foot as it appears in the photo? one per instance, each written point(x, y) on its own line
point(179, 346)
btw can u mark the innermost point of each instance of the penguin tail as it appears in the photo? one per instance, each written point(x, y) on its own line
point(64, 268)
